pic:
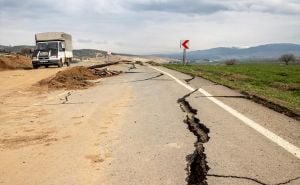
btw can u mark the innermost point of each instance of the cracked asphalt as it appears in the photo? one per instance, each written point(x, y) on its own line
point(130, 130)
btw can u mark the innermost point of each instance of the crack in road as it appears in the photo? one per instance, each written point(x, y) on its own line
point(132, 72)
point(257, 99)
point(251, 179)
point(190, 79)
point(197, 167)
point(161, 74)
point(244, 97)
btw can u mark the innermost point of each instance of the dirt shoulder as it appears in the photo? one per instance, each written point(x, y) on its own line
point(14, 61)
point(45, 140)
point(18, 81)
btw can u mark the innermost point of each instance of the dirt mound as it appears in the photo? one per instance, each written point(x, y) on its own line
point(126, 61)
point(139, 62)
point(9, 62)
point(153, 63)
point(76, 78)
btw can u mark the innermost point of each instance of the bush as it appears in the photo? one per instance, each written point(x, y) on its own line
point(231, 62)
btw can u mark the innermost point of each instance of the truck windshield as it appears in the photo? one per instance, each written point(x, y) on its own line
point(47, 46)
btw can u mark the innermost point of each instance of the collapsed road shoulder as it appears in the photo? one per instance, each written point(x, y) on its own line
point(294, 150)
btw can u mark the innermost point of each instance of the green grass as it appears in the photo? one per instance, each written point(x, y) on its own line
point(277, 83)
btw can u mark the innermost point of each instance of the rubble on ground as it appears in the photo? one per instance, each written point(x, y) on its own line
point(126, 61)
point(139, 62)
point(103, 65)
point(76, 78)
point(153, 63)
point(106, 72)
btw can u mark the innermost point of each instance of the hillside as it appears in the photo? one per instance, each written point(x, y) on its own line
point(79, 53)
point(269, 51)
point(14, 49)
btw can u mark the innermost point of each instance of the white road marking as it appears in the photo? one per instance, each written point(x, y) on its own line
point(265, 132)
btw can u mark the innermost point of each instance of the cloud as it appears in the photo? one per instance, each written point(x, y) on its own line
point(84, 41)
point(28, 8)
point(152, 26)
point(179, 6)
point(264, 6)
point(101, 42)
point(204, 7)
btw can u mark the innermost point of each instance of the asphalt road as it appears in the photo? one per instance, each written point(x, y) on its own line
point(131, 130)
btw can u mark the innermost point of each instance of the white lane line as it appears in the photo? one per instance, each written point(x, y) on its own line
point(265, 132)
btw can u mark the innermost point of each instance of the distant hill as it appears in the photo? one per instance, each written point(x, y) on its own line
point(268, 51)
point(15, 49)
point(90, 53)
point(77, 52)
point(93, 52)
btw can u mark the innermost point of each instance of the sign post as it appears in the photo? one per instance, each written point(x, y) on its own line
point(184, 57)
point(185, 45)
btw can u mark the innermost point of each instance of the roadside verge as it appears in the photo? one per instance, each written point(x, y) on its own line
point(258, 83)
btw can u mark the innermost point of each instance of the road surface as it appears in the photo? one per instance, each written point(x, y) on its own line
point(137, 128)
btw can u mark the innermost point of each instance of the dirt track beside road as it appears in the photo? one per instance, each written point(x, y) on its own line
point(39, 130)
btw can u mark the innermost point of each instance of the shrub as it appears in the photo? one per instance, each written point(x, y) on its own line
point(231, 62)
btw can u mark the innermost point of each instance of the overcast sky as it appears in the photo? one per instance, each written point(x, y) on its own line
point(152, 26)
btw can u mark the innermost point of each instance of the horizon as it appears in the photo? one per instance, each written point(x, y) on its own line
point(179, 51)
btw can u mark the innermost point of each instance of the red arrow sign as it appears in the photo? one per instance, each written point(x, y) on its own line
point(185, 43)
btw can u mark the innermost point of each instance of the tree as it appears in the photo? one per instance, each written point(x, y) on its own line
point(287, 58)
point(26, 52)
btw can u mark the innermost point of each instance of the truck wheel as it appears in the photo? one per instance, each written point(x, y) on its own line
point(68, 62)
point(60, 64)
point(35, 67)
point(46, 66)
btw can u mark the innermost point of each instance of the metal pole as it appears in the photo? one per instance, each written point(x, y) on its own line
point(184, 57)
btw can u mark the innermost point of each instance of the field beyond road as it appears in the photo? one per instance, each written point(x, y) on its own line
point(275, 83)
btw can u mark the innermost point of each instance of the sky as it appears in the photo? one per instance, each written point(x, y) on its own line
point(152, 26)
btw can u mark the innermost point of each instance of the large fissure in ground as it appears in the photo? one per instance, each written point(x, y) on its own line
point(197, 167)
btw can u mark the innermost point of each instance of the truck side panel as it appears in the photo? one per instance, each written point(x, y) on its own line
point(69, 54)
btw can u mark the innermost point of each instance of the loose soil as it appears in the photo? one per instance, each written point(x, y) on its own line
point(153, 63)
point(10, 62)
point(76, 78)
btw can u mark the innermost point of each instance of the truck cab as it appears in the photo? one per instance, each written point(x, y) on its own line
point(52, 49)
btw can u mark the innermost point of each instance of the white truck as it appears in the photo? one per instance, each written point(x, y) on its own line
point(52, 48)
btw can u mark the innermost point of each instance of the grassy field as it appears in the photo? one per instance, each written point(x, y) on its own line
point(276, 83)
